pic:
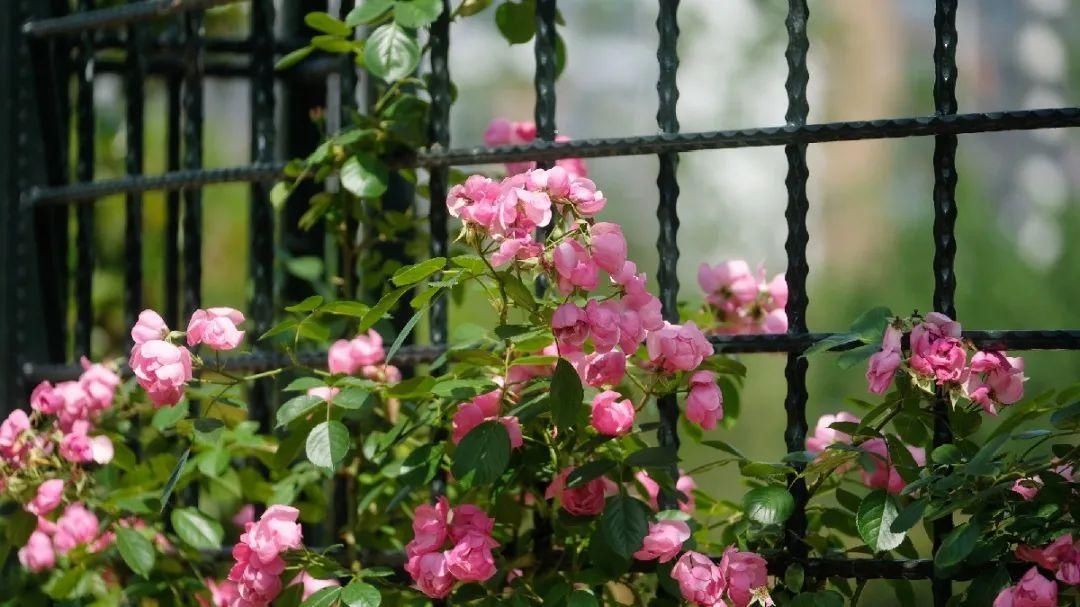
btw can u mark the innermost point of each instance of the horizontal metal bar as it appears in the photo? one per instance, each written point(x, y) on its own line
point(109, 41)
point(114, 16)
point(174, 180)
point(759, 137)
point(311, 70)
point(729, 344)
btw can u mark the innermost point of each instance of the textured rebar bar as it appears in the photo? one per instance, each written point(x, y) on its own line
point(84, 172)
point(667, 241)
point(170, 309)
point(261, 218)
point(439, 135)
point(797, 266)
point(193, 148)
point(944, 232)
point(134, 77)
point(544, 77)
point(114, 16)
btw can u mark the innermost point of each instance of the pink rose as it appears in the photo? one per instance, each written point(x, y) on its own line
point(215, 327)
point(1027, 488)
point(775, 321)
point(46, 399)
point(824, 435)
point(222, 593)
point(75, 447)
point(522, 249)
point(608, 246)
point(603, 321)
point(705, 402)
point(257, 582)
point(14, 442)
point(474, 201)
point(631, 331)
point(430, 528)
point(76, 404)
point(431, 574)
point(470, 560)
point(76, 525)
point(324, 392)
point(995, 379)
point(37, 555)
point(243, 516)
point(605, 369)
point(587, 200)
point(745, 573)
point(700, 581)
point(162, 369)
point(149, 327)
point(934, 326)
point(776, 292)
point(47, 498)
point(574, 266)
point(943, 359)
point(1033, 590)
point(570, 325)
point(883, 366)
point(1050, 556)
point(466, 519)
point(664, 541)
point(367, 349)
point(518, 210)
point(612, 415)
point(731, 280)
point(885, 475)
point(100, 383)
point(556, 181)
point(677, 347)
point(312, 584)
point(275, 532)
point(586, 499)
point(684, 485)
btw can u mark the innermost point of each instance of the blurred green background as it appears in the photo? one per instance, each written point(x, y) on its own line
point(871, 210)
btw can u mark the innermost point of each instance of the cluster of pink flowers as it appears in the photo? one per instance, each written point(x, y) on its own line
point(884, 474)
point(1060, 557)
point(362, 355)
point(1033, 590)
point(76, 526)
point(480, 409)
point(742, 302)
point(258, 568)
point(468, 529)
point(740, 577)
point(939, 357)
point(505, 132)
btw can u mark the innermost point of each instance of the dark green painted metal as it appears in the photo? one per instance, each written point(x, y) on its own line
point(944, 232)
point(667, 241)
point(84, 172)
point(171, 307)
point(192, 107)
point(115, 16)
point(134, 77)
point(797, 267)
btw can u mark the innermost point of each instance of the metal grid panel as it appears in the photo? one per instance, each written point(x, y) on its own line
point(186, 177)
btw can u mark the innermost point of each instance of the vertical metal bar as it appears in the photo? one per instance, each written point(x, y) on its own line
point(172, 203)
point(667, 243)
point(193, 143)
point(134, 74)
point(261, 261)
point(544, 79)
point(84, 172)
point(797, 267)
point(439, 135)
point(944, 228)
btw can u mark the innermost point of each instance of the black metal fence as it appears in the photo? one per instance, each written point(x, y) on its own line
point(44, 48)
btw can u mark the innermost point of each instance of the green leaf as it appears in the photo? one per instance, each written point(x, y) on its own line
point(957, 545)
point(946, 455)
point(462, 389)
point(136, 550)
point(324, 597)
point(196, 529)
point(345, 307)
point(367, 11)
point(327, 444)
point(1066, 416)
point(417, 272)
point(414, 387)
point(769, 505)
point(874, 520)
point(308, 305)
point(473, 263)
point(624, 524)
point(517, 291)
point(984, 588)
point(725, 447)
point(849, 359)
point(422, 464)
point(326, 23)
point(416, 13)
point(471, 7)
point(376, 313)
point(352, 398)
point(293, 58)
point(360, 594)
point(332, 44)
point(983, 460)
point(911, 514)
point(482, 455)
point(281, 327)
point(297, 407)
point(166, 417)
point(173, 477)
point(391, 53)
point(821, 598)
point(870, 327)
point(516, 21)
point(566, 394)
point(582, 598)
point(405, 331)
point(364, 176)
point(830, 342)
point(653, 457)
point(303, 384)
point(588, 471)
